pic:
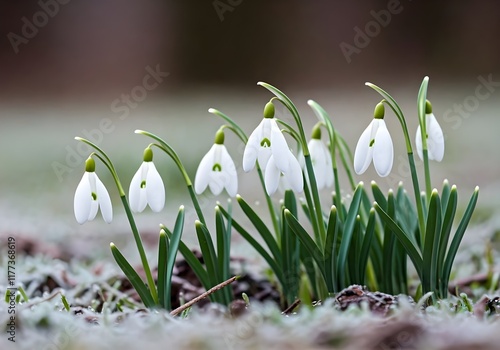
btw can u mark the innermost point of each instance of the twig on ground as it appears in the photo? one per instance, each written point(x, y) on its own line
point(292, 307)
point(203, 296)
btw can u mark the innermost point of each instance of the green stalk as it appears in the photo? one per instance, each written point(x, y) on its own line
point(416, 187)
point(243, 137)
point(172, 154)
point(421, 104)
point(105, 159)
point(140, 247)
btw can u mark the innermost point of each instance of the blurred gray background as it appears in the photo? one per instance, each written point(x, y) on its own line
point(103, 69)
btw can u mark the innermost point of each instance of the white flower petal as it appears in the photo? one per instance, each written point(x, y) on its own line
point(134, 192)
point(418, 143)
point(104, 201)
point(279, 147)
point(435, 140)
point(82, 199)
point(271, 176)
point(252, 148)
point(229, 170)
point(294, 174)
point(319, 162)
point(155, 190)
point(264, 155)
point(383, 150)
point(217, 181)
point(363, 153)
point(202, 177)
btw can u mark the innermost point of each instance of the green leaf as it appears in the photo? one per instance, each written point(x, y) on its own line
point(162, 269)
point(330, 251)
point(410, 247)
point(421, 99)
point(457, 238)
point(307, 243)
point(133, 277)
point(347, 234)
point(223, 251)
point(431, 244)
point(192, 261)
point(388, 247)
point(273, 264)
point(449, 214)
point(173, 247)
point(379, 196)
point(367, 243)
point(261, 228)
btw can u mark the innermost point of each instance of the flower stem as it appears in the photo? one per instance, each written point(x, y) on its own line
point(107, 162)
point(165, 147)
point(389, 100)
point(140, 247)
point(243, 137)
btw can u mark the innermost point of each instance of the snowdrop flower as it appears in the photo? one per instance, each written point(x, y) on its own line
point(147, 186)
point(292, 178)
point(266, 140)
point(375, 143)
point(90, 195)
point(320, 158)
point(217, 170)
point(435, 138)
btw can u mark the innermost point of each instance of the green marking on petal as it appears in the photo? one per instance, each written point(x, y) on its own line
point(143, 184)
point(265, 142)
point(372, 142)
point(94, 196)
point(217, 167)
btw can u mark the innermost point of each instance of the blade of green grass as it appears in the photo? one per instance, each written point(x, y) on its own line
point(173, 248)
point(449, 214)
point(330, 251)
point(431, 244)
point(457, 238)
point(367, 243)
point(409, 246)
point(347, 234)
point(307, 242)
point(261, 228)
point(162, 269)
point(133, 277)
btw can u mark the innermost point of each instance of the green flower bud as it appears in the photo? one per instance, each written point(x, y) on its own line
point(90, 165)
point(148, 155)
point(219, 137)
point(269, 110)
point(428, 107)
point(316, 132)
point(379, 111)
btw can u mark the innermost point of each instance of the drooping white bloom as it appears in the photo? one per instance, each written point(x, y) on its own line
point(375, 143)
point(217, 171)
point(147, 186)
point(266, 140)
point(90, 195)
point(293, 177)
point(321, 161)
point(435, 139)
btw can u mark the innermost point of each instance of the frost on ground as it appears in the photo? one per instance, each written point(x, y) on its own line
point(105, 314)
